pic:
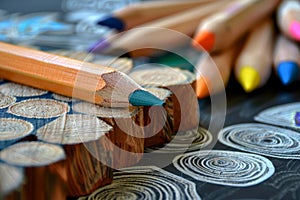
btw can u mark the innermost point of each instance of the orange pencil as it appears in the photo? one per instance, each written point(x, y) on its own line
point(213, 71)
point(69, 77)
point(222, 29)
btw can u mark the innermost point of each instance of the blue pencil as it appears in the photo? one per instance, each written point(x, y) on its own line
point(287, 60)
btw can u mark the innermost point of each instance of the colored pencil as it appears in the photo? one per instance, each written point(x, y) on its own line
point(213, 71)
point(254, 64)
point(164, 33)
point(222, 29)
point(286, 60)
point(140, 13)
point(73, 78)
point(288, 18)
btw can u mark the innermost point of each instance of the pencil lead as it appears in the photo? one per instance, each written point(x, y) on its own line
point(144, 98)
point(249, 78)
point(205, 40)
point(297, 118)
point(294, 30)
point(99, 46)
point(201, 87)
point(112, 22)
point(288, 72)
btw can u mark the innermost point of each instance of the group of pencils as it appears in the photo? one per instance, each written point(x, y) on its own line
point(248, 37)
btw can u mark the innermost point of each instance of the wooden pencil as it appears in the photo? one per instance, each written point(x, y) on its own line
point(164, 33)
point(142, 12)
point(211, 81)
point(73, 78)
point(254, 63)
point(288, 18)
point(286, 59)
point(221, 30)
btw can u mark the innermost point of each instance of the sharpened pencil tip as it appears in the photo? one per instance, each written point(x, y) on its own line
point(144, 98)
point(99, 46)
point(202, 88)
point(297, 118)
point(205, 40)
point(112, 22)
point(288, 72)
point(294, 30)
point(249, 78)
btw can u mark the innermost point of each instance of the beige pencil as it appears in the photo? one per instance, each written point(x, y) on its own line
point(222, 29)
point(142, 12)
point(213, 71)
point(164, 33)
point(254, 64)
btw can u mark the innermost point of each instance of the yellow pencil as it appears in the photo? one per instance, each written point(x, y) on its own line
point(254, 64)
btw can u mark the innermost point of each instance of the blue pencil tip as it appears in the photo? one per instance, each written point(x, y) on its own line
point(288, 72)
point(144, 98)
point(112, 22)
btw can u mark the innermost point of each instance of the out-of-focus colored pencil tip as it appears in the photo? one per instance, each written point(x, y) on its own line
point(288, 72)
point(202, 88)
point(249, 78)
point(99, 46)
point(112, 22)
point(144, 98)
point(297, 118)
point(205, 40)
point(294, 30)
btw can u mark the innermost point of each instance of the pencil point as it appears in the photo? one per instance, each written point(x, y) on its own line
point(297, 118)
point(249, 78)
point(112, 22)
point(99, 46)
point(288, 72)
point(202, 88)
point(144, 98)
point(205, 39)
point(294, 30)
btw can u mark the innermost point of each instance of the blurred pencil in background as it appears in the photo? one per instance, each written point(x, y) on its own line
point(140, 13)
point(254, 64)
point(164, 33)
point(221, 30)
point(286, 60)
point(208, 79)
point(288, 18)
